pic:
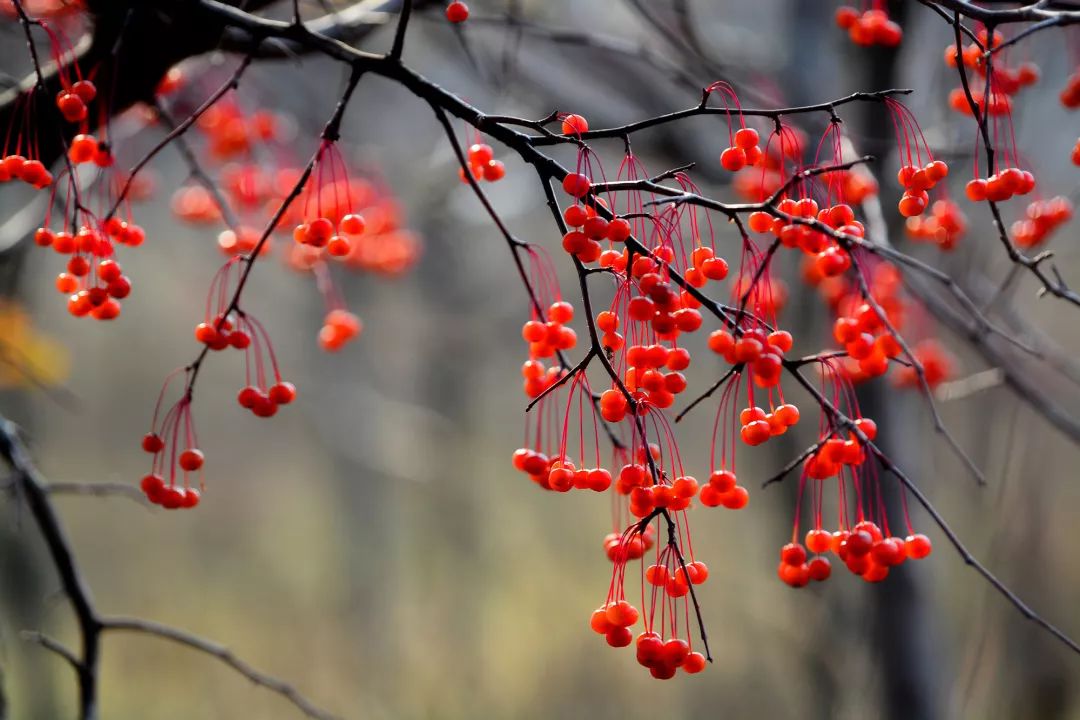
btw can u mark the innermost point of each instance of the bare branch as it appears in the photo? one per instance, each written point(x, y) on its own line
point(222, 653)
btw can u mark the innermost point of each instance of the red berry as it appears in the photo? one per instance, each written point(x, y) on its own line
point(576, 185)
point(191, 459)
point(283, 393)
point(694, 663)
point(457, 12)
point(574, 125)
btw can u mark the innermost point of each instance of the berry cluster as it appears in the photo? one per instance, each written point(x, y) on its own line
point(1005, 81)
point(864, 550)
point(14, 166)
point(863, 332)
point(944, 227)
point(1000, 186)
point(916, 183)
point(937, 364)
point(483, 165)
point(870, 27)
point(743, 144)
point(1042, 217)
point(74, 100)
point(94, 282)
point(659, 647)
point(173, 444)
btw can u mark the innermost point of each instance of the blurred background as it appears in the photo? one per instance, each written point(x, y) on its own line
point(372, 544)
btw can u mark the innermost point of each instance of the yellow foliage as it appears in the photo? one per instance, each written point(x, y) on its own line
point(28, 358)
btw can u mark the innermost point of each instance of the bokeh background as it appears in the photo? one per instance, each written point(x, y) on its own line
point(372, 545)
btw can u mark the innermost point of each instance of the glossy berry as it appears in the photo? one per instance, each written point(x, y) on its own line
point(457, 12)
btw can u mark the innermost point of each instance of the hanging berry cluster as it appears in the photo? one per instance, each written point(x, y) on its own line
point(175, 447)
point(482, 163)
point(869, 27)
point(862, 540)
point(1004, 81)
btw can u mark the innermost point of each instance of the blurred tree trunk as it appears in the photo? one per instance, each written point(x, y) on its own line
point(23, 568)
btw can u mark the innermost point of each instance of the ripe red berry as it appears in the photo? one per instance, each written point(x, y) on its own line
point(85, 90)
point(352, 224)
point(153, 486)
point(457, 12)
point(576, 185)
point(733, 159)
point(574, 125)
point(152, 443)
point(694, 663)
point(917, 546)
point(282, 393)
point(746, 138)
point(71, 107)
point(819, 569)
point(191, 459)
point(622, 614)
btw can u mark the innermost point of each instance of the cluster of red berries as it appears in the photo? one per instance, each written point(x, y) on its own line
point(232, 132)
point(762, 352)
point(1006, 80)
point(537, 378)
point(758, 181)
point(620, 548)
point(1042, 218)
point(645, 496)
point(171, 496)
point(164, 444)
point(73, 100)
point(93, 281)
point(563, 476)
point(85, 148)
point(1000, 104)
point(677, 583)
point(827, 257)
point(758, 425)
point(31, 171)
point(222, 329)
point(865, 336)
point(321, 232)
point(614, 621)
point(937, 364)
point(660, 307)
point(870, 27)
point(338, 328)
point(584, 242)
point(863, 549)
point(546, 339)
point(1001, 186)
point(457, 12)
point(835, 452)
point(916, 183)
point(744, 150)
point(944, 226)
point(536, 465)
point(644, 378)
point(723, 489)
point(483, 165)
point(658, 648)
